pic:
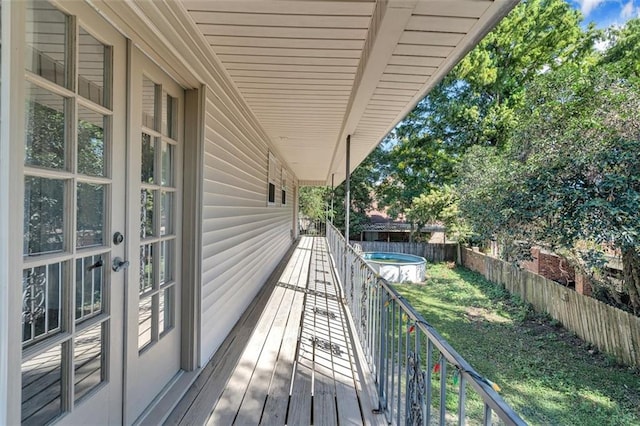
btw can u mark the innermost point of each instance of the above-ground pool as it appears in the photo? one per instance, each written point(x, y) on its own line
point(397, 267)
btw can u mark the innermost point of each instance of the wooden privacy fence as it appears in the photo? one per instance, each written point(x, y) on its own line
point(431, 252)
point(610, 329)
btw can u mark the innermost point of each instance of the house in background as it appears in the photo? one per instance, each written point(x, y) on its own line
point(150, 160)
point(382, 227)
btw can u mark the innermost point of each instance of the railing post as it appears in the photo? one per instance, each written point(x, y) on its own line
point(333, 193)
point(347, 204)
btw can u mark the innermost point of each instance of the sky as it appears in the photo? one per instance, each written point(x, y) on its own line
point(608, 12)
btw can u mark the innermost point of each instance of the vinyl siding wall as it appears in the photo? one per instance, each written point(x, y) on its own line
point(243, 238)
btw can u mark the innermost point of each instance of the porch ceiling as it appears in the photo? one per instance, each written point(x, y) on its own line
point(315, 71)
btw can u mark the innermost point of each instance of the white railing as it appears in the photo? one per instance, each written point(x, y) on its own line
point(420, 378)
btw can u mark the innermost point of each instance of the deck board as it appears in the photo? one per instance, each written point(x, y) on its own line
point(195, 406)
point(253, 403)
point(290, 358)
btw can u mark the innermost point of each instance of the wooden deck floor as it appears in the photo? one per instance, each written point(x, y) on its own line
point(289, 360)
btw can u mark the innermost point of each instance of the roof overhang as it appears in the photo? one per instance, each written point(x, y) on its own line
point(311, 72)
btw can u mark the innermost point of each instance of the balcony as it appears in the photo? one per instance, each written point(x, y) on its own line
point(327, 341)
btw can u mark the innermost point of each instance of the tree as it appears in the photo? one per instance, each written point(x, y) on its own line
point(476, 103)
point(438, 205)
point(409, 168)
point(624, 53)
point(361, 193)
point(571, 178)
point(313, 202)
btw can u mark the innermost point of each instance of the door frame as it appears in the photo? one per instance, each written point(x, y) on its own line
point(11, 208)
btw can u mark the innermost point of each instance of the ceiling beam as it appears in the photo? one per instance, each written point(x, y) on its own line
point(387, 27)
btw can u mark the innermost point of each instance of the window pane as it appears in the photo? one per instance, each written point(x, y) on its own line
point(165, 316)
point(144, 322)
point(166, 213)
point(88, 354)
point(92, 69)
point(166, 261)
point(147, 197)
point(44, 132)
point(43, 215)
point(146, 268)
point(272, 193)
point(89, 279)
point(91, 142)
point(46, 29)
point(148, 159)
point(169, 115)
point(42, 387)
point(148, 103)
point(41, 301)
point(91, 216)
point(167, 164)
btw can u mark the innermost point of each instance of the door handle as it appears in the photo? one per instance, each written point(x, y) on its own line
point(98, 264)
point(119, 264)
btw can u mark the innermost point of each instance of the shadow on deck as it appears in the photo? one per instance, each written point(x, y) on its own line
point(290, 359)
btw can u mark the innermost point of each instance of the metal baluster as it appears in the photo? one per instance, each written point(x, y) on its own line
point(400, 359)
point(388, 354)
point(462, 399)
point(363, 324)
point(420, 371)
point(371, 319)
point(46, 303)
point(376, 315)
point(408, 379)
point(443, 388)
point(382, 347)
point(427, 417)
point(487, 415)
point(392, 388)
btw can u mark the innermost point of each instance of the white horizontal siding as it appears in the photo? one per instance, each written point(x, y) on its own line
point(243, 239)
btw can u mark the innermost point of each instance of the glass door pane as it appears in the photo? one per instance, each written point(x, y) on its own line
point(67, 212)
point(156, 310)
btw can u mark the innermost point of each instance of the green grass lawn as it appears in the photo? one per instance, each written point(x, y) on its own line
point(547, 374)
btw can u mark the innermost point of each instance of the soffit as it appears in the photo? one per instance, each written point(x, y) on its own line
point(314, 71)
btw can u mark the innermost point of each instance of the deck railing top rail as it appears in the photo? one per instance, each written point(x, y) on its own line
point(408, 357)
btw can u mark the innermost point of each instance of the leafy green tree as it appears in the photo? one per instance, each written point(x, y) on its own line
point(477, 102)
point(410, 168)
point(571, 178)
point(438, 205)
point(313, 202)
point(624, 52)
point(362, 183)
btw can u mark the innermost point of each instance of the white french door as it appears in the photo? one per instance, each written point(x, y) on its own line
point(74, 219)
point(153, 340)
